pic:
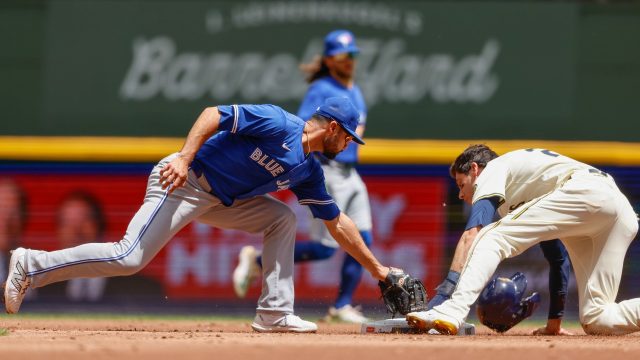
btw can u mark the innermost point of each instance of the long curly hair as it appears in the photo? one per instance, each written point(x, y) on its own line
point(314, 69)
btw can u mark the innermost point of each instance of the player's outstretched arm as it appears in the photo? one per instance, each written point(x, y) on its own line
point(346, 234)
point(559, 271)
point(174, 174)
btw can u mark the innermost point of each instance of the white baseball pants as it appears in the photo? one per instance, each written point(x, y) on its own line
point(160, 218)
point(595, 222)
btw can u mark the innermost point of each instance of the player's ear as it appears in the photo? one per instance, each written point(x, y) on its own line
point(334, 126)
point(475, 169)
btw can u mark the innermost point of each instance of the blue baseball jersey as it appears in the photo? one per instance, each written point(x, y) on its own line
point(258, 149)
point(326, 87)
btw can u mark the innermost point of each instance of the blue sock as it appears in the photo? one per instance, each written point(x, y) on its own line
point(308, 251)
point(311, 251)
point(351, 275)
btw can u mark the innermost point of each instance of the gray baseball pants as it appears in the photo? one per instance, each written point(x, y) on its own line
point(160, 218)
point(349, 192)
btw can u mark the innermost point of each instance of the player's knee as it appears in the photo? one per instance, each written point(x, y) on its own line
point(282, 223)
point(597, 327)
point(602, 322)
point(284, 216)
point(131, 265)
point(633, 225)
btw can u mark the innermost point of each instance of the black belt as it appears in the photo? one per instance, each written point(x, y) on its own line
point(196, 167)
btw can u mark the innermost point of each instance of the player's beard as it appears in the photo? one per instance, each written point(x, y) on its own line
point(330, 155)
point(330, 148)
point(345, 76)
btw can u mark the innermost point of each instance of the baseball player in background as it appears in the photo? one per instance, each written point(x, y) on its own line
point(482, 214)
point(330, 75)
point(232, 157)
point(543, 195)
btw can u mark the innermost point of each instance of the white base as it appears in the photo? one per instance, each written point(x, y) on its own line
point(400, 326)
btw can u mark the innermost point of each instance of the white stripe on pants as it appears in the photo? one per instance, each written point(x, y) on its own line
point(159, 218)
point(595, 222)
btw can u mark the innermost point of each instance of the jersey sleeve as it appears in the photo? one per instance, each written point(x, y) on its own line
point(559, 268)
point(312, 100)
point(482, 212)
point(313, 193)
point(252, 120)
point(492, 182)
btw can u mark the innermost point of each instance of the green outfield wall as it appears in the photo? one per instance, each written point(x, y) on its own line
point(429, 70)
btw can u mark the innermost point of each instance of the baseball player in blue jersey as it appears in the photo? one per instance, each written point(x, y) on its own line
point(543, 195)
point(232, 157)
point(482, 214)
point(332, 75)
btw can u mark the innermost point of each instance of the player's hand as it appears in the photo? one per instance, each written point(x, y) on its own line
point(174, 174)
point(546, 331)
point(553, 328)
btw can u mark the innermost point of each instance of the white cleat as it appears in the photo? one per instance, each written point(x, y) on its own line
point(428, 320)
point(246, 271)
point(264, 322)
point(347, 313)
point(17, 281)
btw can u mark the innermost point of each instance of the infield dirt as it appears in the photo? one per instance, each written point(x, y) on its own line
point(61, 338)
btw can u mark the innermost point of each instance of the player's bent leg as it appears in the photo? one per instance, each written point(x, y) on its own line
point(155, 223)
point(614, 319)
point(277, 260)
point(277, 222)
point(598, 278)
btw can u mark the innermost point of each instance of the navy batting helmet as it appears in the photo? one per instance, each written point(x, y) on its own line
point(501, 306)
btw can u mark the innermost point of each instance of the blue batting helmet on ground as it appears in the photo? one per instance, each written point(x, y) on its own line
point(501, 306)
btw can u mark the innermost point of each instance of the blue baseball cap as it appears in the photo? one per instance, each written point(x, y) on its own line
point(342, 110)
point(340, 41)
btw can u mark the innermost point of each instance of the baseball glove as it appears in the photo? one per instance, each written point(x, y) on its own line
point(403, 293)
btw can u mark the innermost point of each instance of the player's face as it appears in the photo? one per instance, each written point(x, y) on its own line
point(342, 65)
point(336, 140)
point(466, 183)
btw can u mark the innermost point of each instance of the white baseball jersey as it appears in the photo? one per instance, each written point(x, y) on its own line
point(557, 198)
point(520, 176)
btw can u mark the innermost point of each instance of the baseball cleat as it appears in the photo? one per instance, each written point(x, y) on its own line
point(347, 313)
point(17, 281)
point(246, 271)
point(264, 322)
point(428, 320)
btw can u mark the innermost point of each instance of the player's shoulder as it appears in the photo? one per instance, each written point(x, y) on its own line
point(267, 111)
point(321, 85)
point(314, 169)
